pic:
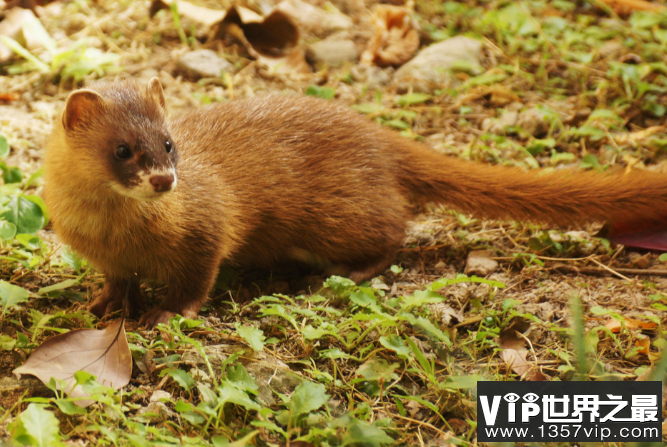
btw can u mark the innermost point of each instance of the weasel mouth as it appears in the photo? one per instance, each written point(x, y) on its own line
point(162, 183)
point(149, 186)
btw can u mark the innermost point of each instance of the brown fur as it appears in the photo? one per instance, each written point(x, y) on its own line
point(266, 180)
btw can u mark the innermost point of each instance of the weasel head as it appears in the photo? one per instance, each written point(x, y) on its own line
point(119, 135)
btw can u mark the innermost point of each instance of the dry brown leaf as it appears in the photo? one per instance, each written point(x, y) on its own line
point(98, 352)
point(501, 96)
point(635, 137)
point(413, 407)
point(615, 326)
point(145, 362)
point(498, 94)
point(9, 96)
point(203, 16)
point(394, 40)
point(516, 360)
point(627, 6)
point(12, 27)
point(301, 444)
point(26, 4)
point(273, 40)
point(515, 353)
point(458, 425)
point(445, 313)
point(312, 19)
point(643, 345)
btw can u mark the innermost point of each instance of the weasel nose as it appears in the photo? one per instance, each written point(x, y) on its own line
point(162, 183)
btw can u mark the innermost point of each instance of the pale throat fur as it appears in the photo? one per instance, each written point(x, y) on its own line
point(103, 219)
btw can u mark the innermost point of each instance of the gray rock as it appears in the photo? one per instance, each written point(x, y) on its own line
point(160, 394)
point(373, 76)
point(429, 70)
point(480, 263)
point(611, 50)
point(269, 372)
point(203, 64)
point(333, 52)
point(534, 122)
point(498, 125)
point(154, 411)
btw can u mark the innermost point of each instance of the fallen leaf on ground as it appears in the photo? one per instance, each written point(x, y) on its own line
point(614, 325)
point(13, 26)
point(445, 313)
point(627, 6)
point(205, 17)
point(394, 40)
point(635, 137)
point(9, 96)
point(515, 353)
point(26, 4)
point(498, 94)
point(98, 352)
point(272, 40)
point(643, 345)
point(315, 20)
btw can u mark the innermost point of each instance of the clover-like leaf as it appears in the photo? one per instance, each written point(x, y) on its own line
point(25, 214)
point(11, 295)
point(254, 336)
point(307, 397)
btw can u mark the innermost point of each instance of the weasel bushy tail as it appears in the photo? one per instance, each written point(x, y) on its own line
point(563, 198)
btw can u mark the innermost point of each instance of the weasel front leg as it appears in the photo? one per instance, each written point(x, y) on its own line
point(112, 296)
point(188, 291)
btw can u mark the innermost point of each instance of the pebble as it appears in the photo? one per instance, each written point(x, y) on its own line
point(479, 263)
point(534, 122)
point(333, 52)
point(203, 64)
point(498, 125)
point(429, 70)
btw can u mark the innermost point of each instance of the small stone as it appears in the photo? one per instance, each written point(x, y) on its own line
point(498, 125)
point(640, 261)
point(611, 50)
point(480, 263)
point(429, 70)
point(534, 122)
point(157, 410)
point(203, 64)
point(271, 375)
point(333, 52)
point(513, 107)
point(160, 394)
point(373, 76)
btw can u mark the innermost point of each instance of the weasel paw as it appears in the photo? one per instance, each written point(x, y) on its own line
point(156, 316)
point(105, 304)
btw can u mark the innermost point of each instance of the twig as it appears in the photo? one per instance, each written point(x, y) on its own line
point(606, 270)
point(639, 5)
point(425, 424)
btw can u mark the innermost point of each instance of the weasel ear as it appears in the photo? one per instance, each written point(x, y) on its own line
point(81, 106)
point(155, 91)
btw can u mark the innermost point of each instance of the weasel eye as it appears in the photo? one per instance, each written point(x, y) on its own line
point(123, 152)
point(168, 146)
